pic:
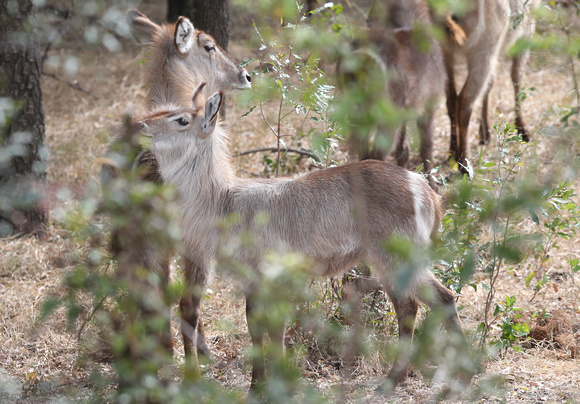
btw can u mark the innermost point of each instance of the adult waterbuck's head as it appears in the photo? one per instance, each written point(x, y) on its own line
point(181, 58)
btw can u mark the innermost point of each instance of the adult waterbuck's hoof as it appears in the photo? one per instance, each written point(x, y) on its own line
point(525, 134)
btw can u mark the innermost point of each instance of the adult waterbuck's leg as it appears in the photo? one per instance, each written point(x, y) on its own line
point(484, 124)
point(401, 146)
point(479, 65)
point(518, 63)
point(425, 125)
point(451, 94)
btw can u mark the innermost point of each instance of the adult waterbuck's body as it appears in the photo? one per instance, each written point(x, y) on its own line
point(181, 57)
point(490, 26)
point(411, 66)
point(338, 216)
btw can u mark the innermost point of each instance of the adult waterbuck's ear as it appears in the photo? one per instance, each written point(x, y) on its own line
point(184, 35)
point(143, 28)
point(212, 107)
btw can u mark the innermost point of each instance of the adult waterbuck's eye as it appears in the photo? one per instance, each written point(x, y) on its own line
point(209, 48)
point(182, 121)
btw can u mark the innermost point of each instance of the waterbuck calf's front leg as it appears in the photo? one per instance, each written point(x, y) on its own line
point(196, 279)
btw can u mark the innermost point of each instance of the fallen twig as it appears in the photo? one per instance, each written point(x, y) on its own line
point(275, 150)
point(68, 83)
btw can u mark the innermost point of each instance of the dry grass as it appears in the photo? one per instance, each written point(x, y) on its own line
point(37, 362)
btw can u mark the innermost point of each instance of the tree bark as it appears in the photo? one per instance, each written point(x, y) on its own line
point(211, 16)
point(175, 9)
point(23, 153)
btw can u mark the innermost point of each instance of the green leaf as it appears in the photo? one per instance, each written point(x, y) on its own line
point(529, 279)
point(534, 216)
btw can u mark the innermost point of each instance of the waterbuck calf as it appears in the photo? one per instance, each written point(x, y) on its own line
point(337, 217)
point(181, 57)
point(490, 26)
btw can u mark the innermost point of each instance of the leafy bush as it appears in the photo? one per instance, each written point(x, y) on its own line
point(481, 238)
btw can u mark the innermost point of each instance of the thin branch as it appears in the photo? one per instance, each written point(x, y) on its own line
point(251, 173)
point(278, 135)
point(68, 83)
point(275, 150)
point(94, 311)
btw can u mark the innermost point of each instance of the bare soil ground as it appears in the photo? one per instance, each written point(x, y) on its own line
point(39, 362)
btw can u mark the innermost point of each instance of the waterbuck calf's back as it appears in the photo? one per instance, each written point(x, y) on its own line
point(338, 216)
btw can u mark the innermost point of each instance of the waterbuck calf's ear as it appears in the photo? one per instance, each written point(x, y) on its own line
point(212, 107)
point(143, 28)
point(184, 35)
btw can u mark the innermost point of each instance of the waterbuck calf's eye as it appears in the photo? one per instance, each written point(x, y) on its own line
point(182, 121)
point(209, 48)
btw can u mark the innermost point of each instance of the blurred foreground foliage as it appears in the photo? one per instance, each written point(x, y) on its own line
point(507, 214)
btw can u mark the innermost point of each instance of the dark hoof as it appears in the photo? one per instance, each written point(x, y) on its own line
point(525, 136)
point(523, 132)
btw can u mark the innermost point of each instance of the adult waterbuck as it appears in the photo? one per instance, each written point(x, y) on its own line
point(394, 51)
point(337, 217)
point(181, 57)
point(490, 26)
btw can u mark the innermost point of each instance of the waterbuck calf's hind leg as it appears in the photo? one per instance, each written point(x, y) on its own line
point(406, 308)
point(439, 299)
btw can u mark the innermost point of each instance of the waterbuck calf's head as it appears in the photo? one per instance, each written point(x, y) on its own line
point(171, 126)
point(183, 57)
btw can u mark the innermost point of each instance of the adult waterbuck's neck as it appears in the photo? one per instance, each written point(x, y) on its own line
point(181, 58)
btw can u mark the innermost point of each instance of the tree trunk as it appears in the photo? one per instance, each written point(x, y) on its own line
point(23, 153)
point(211, 16)
point(175, 9)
